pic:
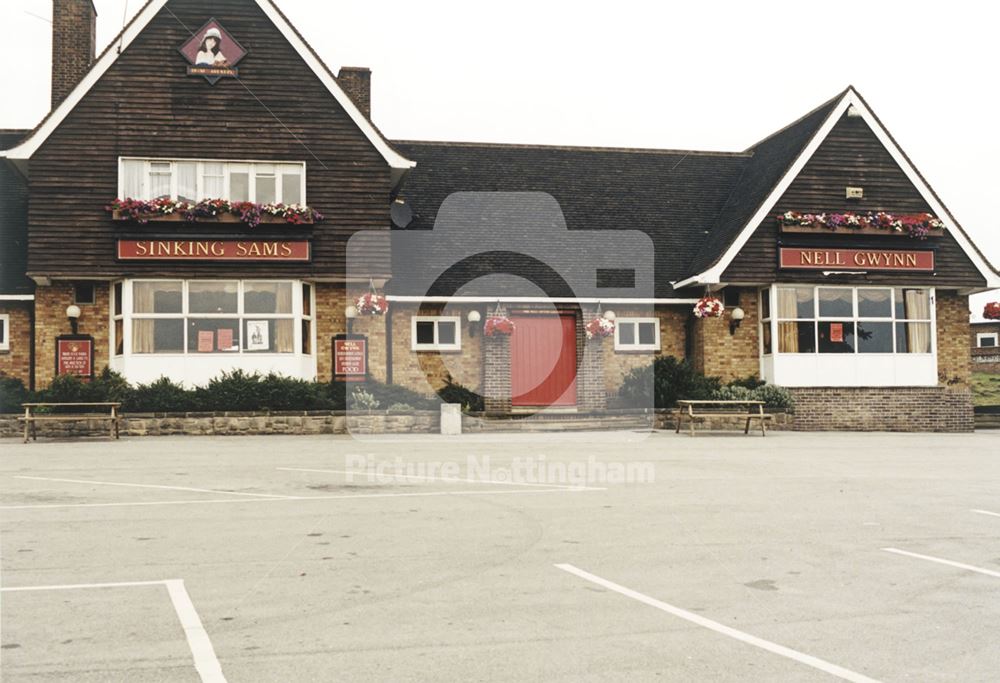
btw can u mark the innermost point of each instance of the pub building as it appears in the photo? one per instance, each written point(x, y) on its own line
point(206, 195)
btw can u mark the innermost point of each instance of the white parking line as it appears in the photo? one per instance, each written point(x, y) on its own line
point(427, 477)
point(986, 512)
point(477, 492)
point(154, 486)
point(774, 648)
point(205, 660)
point(939, 560)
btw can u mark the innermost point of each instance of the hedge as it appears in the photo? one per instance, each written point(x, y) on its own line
point(230, 391)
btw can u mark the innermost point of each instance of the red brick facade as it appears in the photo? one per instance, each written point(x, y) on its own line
point(720, 353)
point(51, 321)
point(15, 361)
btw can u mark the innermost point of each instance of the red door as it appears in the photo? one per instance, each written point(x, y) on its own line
point(543, 360)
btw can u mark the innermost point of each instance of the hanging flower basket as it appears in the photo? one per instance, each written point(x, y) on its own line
point(708, 307)
point(498, 326)
point(992, 310)
point(599, 327)
point(372, 304)
point(916, 225)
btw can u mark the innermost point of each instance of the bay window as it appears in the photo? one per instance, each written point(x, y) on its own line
point(847, 336)
point(192, 180)
point(199, 317)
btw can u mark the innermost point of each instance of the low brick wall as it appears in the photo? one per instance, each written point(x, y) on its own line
point(236, 424)
point(986, 360)
point(898, 409)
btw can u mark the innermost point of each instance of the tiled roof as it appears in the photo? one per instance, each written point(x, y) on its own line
point(691, 204)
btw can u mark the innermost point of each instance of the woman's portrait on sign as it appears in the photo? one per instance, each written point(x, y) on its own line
point(210, 51)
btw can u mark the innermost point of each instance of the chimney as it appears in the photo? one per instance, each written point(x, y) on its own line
point(74, 34)
point(357, 83)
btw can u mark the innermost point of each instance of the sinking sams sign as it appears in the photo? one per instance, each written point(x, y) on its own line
point(213, 53)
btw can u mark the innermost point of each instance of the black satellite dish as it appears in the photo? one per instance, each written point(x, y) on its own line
point(401, 213)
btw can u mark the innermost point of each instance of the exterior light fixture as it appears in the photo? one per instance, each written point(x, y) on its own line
point(610, 315)
point(735, 318)
point(473, 317)
point(351, 312)
point(73, 313)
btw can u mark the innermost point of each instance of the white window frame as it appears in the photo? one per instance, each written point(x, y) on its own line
point(980, 336)
point(128, 316)
point(854, 318)
point(436, 345)
point(228, 165)
point(5, 336)
point(619, 346)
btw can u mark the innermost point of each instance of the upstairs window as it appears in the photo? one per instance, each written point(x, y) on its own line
point(189, 180)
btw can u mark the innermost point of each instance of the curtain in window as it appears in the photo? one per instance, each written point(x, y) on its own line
point(187, 181)
point(284, 333)
point(918, 307)
point(143, 331)
point(133, 172)
point(788, 332)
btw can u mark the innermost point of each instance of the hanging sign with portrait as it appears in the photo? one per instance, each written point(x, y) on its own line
point(213, 53)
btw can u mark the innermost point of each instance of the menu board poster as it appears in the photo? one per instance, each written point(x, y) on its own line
point(206, 341)
point(75, 355)
point(837, 332)
point(350, 357)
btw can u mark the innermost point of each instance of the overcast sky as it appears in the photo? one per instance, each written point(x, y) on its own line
point(693, 75)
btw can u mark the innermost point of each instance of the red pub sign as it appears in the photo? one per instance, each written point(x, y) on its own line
point(350, 358)
point(856, 259)
point(214, 250)
point(75, 356)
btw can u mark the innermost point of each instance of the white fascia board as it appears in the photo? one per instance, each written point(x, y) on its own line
point(393, 158)
point(714, 274)
point(529, 300)
point(30, 145)
point(17, 297)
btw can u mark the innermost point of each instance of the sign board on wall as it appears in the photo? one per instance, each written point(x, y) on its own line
point(213, 53)
point(801, 258)
point(75, 355)
point(214, 250)
point(350, 357)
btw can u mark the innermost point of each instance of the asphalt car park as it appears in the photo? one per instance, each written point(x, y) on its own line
point(583, 556)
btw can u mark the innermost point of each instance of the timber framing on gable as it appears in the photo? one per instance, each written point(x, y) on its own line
point(714, 274)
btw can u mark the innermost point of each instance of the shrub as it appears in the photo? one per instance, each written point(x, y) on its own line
point(453, 392)
point(399, 408)
point(161, 396)
point(12, 394)
point(386, 394)
point(363, 400)
point(774, 397)
point(669, 380)
point(750, 382)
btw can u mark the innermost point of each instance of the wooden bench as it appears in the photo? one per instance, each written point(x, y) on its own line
point(31, 418)
point(700, 410)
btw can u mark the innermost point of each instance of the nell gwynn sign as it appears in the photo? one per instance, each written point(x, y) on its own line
point(213, 250)
point(213, 53)
point(865, 259)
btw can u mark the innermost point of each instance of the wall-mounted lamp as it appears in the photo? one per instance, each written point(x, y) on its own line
point(474, 317)
point(735, 318)
point(610, 316)
point(351, 312)
point(73, 313)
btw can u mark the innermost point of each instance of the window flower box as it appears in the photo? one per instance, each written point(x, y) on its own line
point(917, 226)
point(211, 211)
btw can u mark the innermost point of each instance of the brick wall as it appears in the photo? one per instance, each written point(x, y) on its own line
point(986, 360)
point(496, 371)
point(718, 353)
point(17, 361)
point(617, 364)
point(953, 330)
point(898, 409)
point(74, 24)
point(590, 381)
point(425, 371)
point(50, 322)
